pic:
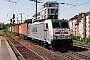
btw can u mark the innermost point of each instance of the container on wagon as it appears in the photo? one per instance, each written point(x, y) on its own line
point(19, 29)
point(16, 29)
point(9, 28)
point(24, 29)
point(12, 28)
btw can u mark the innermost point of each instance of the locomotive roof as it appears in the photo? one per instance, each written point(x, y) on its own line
point(55, 20)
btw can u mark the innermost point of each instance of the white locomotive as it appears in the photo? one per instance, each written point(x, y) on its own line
point(51, 32)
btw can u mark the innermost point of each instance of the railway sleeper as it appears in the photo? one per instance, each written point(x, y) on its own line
point(80, 55)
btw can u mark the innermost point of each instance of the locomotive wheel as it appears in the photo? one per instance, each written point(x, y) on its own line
point(44, 44)
point(50, 46)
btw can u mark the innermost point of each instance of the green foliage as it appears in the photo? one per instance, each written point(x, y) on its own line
point(21, 37)
point(10, 33)
point(28, 21)
point(80, 42)
point(75, 37)
point(46, 58)
point(2, 26)
point(1, 33)
point(7, 25)
point(83, 42)
point(87, 39)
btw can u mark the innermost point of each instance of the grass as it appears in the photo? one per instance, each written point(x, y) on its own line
point(81, 42)
point(76, 39)
point(46, 58)
point(15, 51)
point(1, 33)
point(21, 37)
point(16, 35)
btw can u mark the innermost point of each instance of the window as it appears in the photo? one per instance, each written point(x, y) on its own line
point(60, 25)
point(64, 25)
point(52, 16)
point(56, 10)
point(53, 5)
point(46, 25)
point(49, 11)
point(56, 25)
point(49, 5)
point(53, 11)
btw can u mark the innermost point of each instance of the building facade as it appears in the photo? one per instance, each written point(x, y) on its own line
point(80, 25)
point(49, 11)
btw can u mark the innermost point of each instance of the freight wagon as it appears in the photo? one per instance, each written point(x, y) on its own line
point(51, 33)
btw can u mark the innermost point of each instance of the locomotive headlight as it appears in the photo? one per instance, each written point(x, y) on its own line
point(68, 37)
point(55, 37)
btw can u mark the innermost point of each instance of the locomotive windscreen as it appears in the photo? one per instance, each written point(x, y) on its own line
point(64, 25)
point(60, 24)
point(56, 25)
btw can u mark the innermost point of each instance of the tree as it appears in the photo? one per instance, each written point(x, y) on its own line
point(28, 21)
point(2, 26)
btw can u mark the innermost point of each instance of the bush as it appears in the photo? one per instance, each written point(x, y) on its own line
point(87, 40)
point(75, 37)
point(21, 37)
point(1, 33)
point(83, 42)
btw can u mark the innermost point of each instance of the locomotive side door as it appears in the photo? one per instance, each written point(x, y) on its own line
point(45, 31)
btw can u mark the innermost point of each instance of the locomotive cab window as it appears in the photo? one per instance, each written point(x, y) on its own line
point(60, 24)
point(64, 25)
point(56, 25)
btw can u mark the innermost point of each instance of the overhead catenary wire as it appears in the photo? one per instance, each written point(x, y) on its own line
point(75, 6)
point(60, 11)
point(10, 1)
point(14, 6)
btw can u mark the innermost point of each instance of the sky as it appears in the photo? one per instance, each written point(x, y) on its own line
point(28, 8)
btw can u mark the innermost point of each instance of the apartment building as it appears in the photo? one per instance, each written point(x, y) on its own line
point(80, 25)
point(73, 25)
point(88, 26)
point(49, 11)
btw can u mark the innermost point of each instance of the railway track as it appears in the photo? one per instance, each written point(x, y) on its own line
point(83, 46)
point(73, 53)
point(27, 54)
